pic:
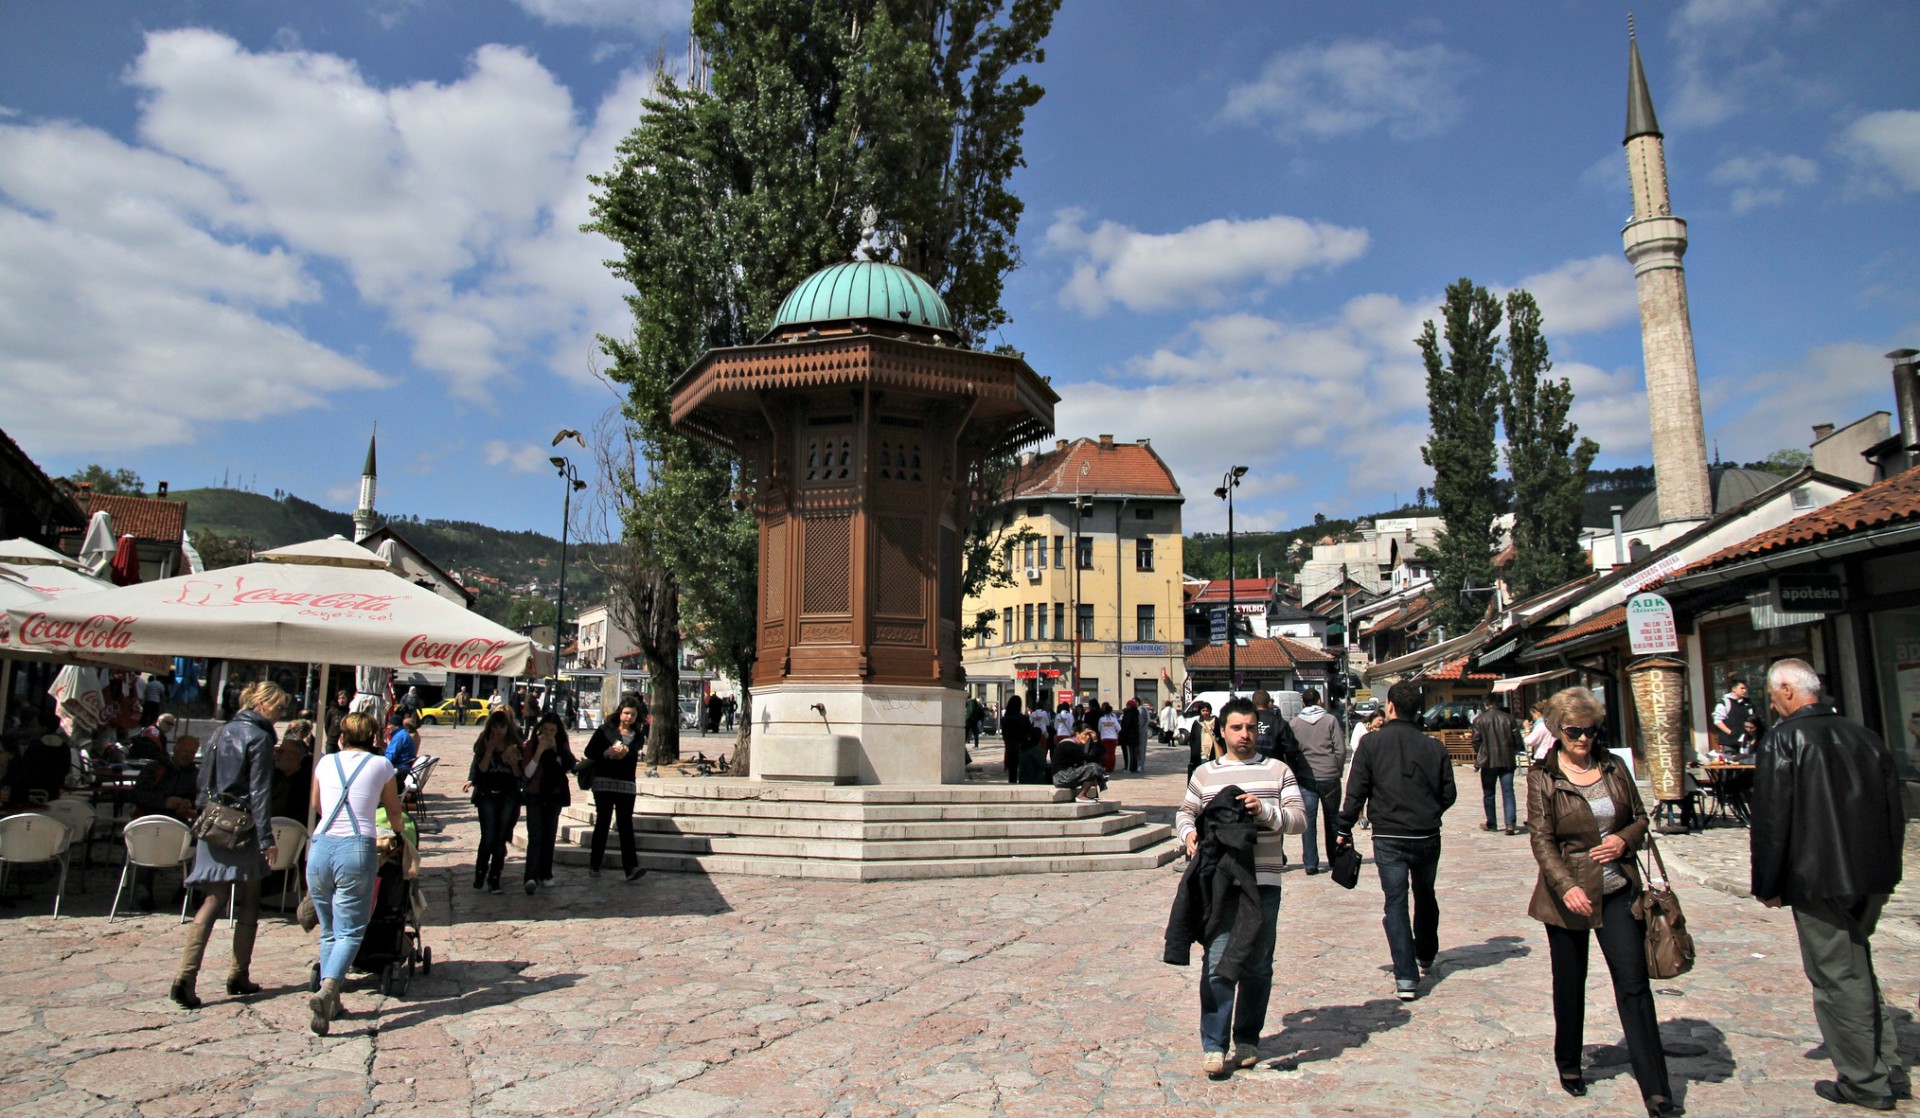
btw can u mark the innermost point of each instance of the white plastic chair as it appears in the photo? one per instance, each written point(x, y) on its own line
point(157, 842)
point(33, 837)
point(290, 841)
point(81, 821)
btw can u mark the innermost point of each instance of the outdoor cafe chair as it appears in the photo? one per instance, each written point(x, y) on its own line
point(158, 842)
point(32, 837)
point(82, 820)
point(290, 842)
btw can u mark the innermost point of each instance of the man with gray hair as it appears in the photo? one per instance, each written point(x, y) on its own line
point(1827, 837)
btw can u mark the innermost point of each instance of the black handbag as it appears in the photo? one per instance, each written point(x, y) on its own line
point(1346, 864)
point(584, 774)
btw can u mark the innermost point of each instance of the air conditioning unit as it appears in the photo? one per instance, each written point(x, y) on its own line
point(1033, 572)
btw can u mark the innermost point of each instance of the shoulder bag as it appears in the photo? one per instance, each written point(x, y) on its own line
point(1669, 944)
point(1346, 864)
point(226, 822)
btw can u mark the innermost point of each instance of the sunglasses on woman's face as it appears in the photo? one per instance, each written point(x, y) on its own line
point(1588, 732)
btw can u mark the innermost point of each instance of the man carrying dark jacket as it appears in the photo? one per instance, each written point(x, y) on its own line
point(1827, 836)
point(1496, 742)
point(1404, 780)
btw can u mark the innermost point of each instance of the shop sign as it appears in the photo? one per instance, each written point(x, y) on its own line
point(1142, 649)
point(1809, 592)
point(1650, 625)
point(1217, 626)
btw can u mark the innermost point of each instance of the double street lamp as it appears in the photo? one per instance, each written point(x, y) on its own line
point(566, 470)
point(1229, 482)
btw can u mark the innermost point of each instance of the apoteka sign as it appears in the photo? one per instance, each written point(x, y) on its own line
point(1650, 626)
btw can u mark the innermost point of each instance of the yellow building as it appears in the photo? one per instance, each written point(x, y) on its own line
point(1095, 598)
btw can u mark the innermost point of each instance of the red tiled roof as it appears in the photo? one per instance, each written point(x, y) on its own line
point(143, 518)
point(1406, 615)
point(1261, 652)
point(1598, 623)
point(1244, 590)
point(1893, 501)
point(1456, 668)
point(1112, 469)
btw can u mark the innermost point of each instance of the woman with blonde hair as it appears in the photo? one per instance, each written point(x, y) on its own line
point(342, 864)
point(238, 768)
point(1585, 820)
point(494, 780)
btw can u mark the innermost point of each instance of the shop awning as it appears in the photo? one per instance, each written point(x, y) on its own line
point(1515, 683)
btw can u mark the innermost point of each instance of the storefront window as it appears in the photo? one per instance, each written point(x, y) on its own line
point(1733, 649)
point(1896, 649)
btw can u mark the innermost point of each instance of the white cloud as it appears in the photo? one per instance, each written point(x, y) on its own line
point(1756, 413)
point(1200, 265)
point(1763, 178)
point(634, 15)
point(1585, 296)
point(1353, 85)
point(521, 458)
point(1887, 144)
point(1731, 59)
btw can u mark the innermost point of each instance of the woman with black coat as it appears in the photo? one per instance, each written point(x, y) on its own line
point(494, 779)
point(549, 762)
point(1015, 729)
point(239, 763)
point(614, 753)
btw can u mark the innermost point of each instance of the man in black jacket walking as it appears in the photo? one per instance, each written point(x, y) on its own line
point(1408, 779)
point(1828, 828)
point(1496, 742)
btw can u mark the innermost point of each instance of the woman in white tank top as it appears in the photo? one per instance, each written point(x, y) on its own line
point(341, 863)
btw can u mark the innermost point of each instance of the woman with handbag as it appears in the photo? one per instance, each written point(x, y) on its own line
point(1584, 820)
point(546, 793)
point(235, 829)
point(342, 865)
point(494, 779)
point(614, 753)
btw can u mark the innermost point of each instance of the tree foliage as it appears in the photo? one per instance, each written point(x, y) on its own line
point(806, 130)
point(109, 483)
point(1548, 469)
point(1464, 385)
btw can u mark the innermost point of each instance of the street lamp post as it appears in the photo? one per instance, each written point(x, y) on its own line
point(1079, 515)
point(1229, 482)
point(574, 484)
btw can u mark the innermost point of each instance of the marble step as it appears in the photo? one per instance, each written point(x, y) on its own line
point(1149, 857)
point(1126, 841)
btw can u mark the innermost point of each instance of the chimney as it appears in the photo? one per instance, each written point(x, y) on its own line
point(161, 490)
point(1821, 431)
point(1106, 442)
point(1060, 444)
point(1906, 398)
point(1143, 441)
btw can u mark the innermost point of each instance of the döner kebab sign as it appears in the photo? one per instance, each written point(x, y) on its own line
point(305, 609)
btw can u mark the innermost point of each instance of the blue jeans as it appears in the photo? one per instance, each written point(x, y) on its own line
point(1319, 797)
point(340, 878)
point(1503, 778)
point(497, 817)
point(1409, 864)
point(1219, 1005)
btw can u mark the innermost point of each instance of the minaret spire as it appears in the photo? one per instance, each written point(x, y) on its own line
point(364, 521)
point(1655, 242)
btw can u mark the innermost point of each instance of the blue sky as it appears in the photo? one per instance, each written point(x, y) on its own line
point(233, 235)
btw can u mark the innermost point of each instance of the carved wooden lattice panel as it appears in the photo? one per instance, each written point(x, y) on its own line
point(826, 581)
point(828, 460)
point(901, 560)
point(899, 458)
point(773, 575)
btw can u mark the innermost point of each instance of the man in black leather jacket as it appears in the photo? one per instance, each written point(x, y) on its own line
point(1828, 828)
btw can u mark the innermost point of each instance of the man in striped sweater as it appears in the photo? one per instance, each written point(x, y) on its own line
point(1271, 793)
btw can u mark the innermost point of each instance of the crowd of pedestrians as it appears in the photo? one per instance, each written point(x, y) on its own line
point(1827, 840)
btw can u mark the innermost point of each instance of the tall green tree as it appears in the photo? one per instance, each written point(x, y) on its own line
point(806, 130)
point(1548, 469)
point(1464, 388)
point(109, 483)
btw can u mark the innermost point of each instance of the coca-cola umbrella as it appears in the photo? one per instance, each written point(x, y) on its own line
point(125, 568)
point(17, 590)
point(328, 601)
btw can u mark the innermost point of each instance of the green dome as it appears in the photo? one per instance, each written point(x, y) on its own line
point(864, 289)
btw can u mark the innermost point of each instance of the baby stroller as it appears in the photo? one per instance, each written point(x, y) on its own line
point(392, 947)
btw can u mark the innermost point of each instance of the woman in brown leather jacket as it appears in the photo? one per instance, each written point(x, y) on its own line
point(1585, 820)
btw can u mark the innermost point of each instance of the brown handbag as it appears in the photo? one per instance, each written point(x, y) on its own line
point(1669, 944)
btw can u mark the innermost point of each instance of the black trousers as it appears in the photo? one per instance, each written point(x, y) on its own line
point(615, 808)
point(1623, 942)
point(1131, 749)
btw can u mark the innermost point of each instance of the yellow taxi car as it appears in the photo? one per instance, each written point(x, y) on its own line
point(444, 712)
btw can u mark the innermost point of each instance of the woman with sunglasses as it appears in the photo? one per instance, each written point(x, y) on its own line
point(1585, 820)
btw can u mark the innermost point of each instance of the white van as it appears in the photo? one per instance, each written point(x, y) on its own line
point(1288, 703)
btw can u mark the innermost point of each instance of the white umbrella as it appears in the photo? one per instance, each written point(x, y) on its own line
point(55, 582)
point(16, 590)
point(328, 601)
point(23, 551)
point(96, 550)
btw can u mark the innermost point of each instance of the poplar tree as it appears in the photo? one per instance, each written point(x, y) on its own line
point(1548, 469)
point(1464, 389)
point(803, 131)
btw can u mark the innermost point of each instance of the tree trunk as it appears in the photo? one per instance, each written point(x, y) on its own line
point(741, 762)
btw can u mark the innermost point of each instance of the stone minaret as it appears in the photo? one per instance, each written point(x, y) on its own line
point(364, 522)
point(1655, 242)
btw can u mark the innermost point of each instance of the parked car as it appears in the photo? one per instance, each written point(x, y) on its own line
point(1288, 703)
point(443, 712)
point(1458, 715)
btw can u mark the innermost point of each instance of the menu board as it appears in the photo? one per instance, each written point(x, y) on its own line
point(1658, 686)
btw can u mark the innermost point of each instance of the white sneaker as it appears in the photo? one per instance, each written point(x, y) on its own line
point(1214, 1064)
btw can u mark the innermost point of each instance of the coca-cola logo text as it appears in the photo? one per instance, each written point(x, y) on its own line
point(208, 592)
point(475, 655)
point(100, 633)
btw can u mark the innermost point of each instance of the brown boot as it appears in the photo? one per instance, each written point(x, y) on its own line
point(238, 984)
point(325, 1006)
point(182, 992)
